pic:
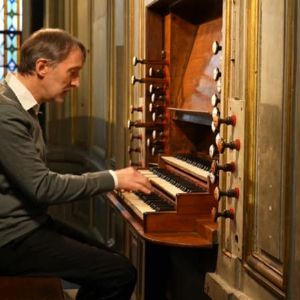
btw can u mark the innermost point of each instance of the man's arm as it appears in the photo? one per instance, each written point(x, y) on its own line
point(27, 173)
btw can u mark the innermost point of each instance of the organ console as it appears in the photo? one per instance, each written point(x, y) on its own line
point(177, 134)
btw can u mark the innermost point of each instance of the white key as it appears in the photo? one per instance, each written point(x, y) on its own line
point(162, 183)
point(188, 168)
point(136, 204)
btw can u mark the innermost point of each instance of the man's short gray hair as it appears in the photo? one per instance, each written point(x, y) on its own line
point(52, 44)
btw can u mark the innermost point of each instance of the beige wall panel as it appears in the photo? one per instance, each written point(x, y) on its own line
point(270, 124)
point(294, 272)
point(84, 33)
point(99, 73)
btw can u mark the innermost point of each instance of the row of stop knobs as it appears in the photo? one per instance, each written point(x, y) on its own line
point(158, 84)
point(221, 145)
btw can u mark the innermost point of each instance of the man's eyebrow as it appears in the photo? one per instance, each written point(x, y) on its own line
point(74, 69)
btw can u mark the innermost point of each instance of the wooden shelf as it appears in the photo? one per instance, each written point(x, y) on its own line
point(191, 116)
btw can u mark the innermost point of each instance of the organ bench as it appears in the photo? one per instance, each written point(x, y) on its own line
point(30, 288)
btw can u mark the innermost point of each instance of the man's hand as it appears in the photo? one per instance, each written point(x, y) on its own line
point(132, 180)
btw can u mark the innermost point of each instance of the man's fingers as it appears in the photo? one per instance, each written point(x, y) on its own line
point(131, 179)
point(145, 189)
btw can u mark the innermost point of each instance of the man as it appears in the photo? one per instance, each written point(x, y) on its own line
point(31, 243)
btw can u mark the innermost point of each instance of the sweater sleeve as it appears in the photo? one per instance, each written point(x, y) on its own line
point(26, 172)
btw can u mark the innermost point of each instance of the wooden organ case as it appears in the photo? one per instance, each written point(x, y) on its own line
point(181, 77)
point(173, 141)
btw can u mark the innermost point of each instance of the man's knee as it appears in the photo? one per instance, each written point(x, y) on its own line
point(128, 271)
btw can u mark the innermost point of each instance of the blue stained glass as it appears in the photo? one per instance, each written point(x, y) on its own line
point(1, 16)
point(12, 22)
point(11, 33)
point(11, 50)
point(2, 45)
point(12, 6)
point(12, 56)
point(11, 47)
point(11, 27)
point(12, 41)
point(12, 65)
point(12, 17)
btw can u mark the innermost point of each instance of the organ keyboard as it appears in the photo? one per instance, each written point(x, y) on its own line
point(197, 168)
point(136, 204)
point(181, 202)
point(168, 187)
point(141, 203)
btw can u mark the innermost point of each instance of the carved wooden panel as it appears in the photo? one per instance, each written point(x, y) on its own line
point(267, 245)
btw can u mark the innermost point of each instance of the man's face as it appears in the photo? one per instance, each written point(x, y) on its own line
point(62, 77)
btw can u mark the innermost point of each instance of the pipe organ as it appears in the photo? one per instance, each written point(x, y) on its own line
point(200, 132)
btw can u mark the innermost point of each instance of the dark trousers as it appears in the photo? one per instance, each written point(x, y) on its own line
point(54, 250)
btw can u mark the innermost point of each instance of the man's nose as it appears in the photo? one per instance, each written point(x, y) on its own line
point(75, 82)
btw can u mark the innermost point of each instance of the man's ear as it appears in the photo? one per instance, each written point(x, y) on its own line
point(42, 67)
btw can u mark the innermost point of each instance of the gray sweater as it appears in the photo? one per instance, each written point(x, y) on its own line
point(27, 186)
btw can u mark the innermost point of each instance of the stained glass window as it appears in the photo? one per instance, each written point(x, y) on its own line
point(10, 35)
